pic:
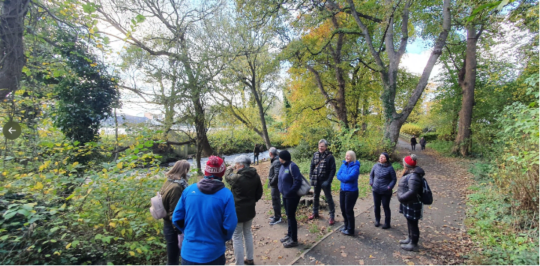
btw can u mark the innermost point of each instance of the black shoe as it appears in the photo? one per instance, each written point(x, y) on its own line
point(377, 224)
point(348, 232)
point(290, 244)
point(285, 239)
point(410, 247)
point(405, 241)
point(275, 221)
point(385, 226)
point(249, 262)
point(271, 217)
point(342, 229)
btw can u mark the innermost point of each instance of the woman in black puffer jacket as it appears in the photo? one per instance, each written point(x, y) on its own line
point(409, 190)
point(382, 180)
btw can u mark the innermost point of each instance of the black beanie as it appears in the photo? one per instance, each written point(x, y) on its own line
point(285, 155)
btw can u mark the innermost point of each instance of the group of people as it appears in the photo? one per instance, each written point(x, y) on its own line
point(203, 216)
point(414, 142)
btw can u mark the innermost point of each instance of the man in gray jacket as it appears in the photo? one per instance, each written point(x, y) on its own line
point(273, 183)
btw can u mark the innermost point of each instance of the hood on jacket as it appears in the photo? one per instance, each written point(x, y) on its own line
point(351, 163)
point(419, 171)
point(210, 186)
point(249, 172)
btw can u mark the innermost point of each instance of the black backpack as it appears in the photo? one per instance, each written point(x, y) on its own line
point(426, 197)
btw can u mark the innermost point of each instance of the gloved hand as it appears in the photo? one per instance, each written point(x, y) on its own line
point(325, 183)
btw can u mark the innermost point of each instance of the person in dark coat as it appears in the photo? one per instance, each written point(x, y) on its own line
point(348, 194)
point(273, 180)
point(413, 143)
point(256, 152)
point(171, 191)
point(321, 173)
point(290, 181)
point(423, 143)
point(382, 180)
point(409, 189)
point(247, 189)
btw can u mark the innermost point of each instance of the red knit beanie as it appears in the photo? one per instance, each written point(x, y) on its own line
point(215, 166)
point(410, 160)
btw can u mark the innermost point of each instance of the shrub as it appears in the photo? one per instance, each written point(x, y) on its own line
point(430, 136)
point(411, 129)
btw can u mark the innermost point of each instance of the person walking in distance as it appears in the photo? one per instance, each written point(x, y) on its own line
point(321, 173)
point(413, 143)
point(409, 189)
point(348, 194)
point(206, 215)
point(289, 183)
point(171, 191)
point(256, 152)
point(273, 181)
point(247, 189)
point(423, 143)
point(382, 180)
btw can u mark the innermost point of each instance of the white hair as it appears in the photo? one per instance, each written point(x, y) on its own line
point(323, 141)
point(243, 160)
point(273, 151)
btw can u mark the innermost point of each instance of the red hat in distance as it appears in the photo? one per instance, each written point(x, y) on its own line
point(215, 166)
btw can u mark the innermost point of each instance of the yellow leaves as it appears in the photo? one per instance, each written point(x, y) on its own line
point(123, 232)
point(4, 173)
point(93, 65)
point(91, 31)
point(120, 165)
point(112, 79)
point(68, 246)
point(132, 253)
point(75, 164)
point(139, 251)
point(112, 224)
point(38, 186)
point(99, 46)
point(44, 166)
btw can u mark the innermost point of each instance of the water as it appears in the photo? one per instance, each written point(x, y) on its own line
point(229, 159)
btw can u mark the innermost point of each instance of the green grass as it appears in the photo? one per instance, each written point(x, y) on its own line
point(441, 146)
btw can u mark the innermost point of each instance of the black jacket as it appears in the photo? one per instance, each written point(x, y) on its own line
point(247, 189)
point(382, 178)
point(413, 141)
point(410, 186)
point(422, 141)
point(273, 173)
point(327, 166)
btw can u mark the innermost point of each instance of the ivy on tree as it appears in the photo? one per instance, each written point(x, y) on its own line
point(85, 98)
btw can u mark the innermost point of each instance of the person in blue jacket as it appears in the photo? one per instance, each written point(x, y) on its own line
point(348, 194)
point(207, 216)
point(382, 180)
point(289, 182)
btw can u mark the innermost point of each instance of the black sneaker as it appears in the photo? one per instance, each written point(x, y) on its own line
point(290, 244)
point(385, 226)
point(377, 224)
point(271, 217)
point(285, 239)
point(275, 221)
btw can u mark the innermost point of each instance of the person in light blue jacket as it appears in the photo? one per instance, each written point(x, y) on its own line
point(207, 216)
point(348, 194)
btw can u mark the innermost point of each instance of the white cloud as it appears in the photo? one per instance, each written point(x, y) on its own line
point(415, 63)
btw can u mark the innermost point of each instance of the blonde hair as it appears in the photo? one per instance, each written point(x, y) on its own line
point(179, 170)
point(353, 155)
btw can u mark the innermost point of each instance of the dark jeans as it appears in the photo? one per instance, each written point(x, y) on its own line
point(276, 201)
point(423, 146)
point(171, 237)
point(218, 261)
point(413, 147)
point(290, 209)
point(328, 194)
point(256, 157)
point(385, 199)
point(347, 200)
point(414, 231)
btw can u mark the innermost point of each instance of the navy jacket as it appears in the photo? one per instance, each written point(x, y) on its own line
point(289, 183)
point(382, 178)
point(348, 175)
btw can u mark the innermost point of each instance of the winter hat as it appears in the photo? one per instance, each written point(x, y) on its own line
point(387, 156)
point(410, 161)
point(285, 155)
point(215, 166)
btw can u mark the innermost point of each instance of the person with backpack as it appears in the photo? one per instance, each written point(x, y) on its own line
point(321, 173)
point(422, 143)
point(382, 180)
point(206, 215)
point(290, 181)
point(409, 194)
point(256, 152)
point(247, 189)
point(171, 191)
point(273, 181)
point(348, 194)
point(413, 143)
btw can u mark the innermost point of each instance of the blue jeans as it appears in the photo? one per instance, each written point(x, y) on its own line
point(218, 261)
point(171, 237)
point(255, 157)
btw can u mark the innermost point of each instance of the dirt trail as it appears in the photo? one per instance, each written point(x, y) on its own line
point(443, 238)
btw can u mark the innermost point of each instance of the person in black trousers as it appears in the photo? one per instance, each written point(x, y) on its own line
point(410, 187)
point(348, 193)
point(423, 143)
point(256, 152)
point(290, 181)
point(413, 143)
point(273, 180)
point(382, 180)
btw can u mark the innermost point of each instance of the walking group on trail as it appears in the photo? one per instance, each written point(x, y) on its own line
point(199, 219)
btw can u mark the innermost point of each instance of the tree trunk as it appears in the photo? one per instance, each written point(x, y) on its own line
point(391, 133)
point(12, 57)
point(200, 128)
point(264, 130)
point(467, 82)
